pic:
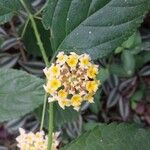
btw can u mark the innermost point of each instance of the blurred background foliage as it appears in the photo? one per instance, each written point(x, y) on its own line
point(125, 73)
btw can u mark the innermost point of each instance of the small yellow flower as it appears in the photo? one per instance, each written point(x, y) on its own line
point(72, 60)
point(89, 97)
point(47, 73)
point(92, 86)
point(62, 94)
point(54, 84)
point(61, 58)
point(76, 100)
point(48, 89)
point(64, 102)
point(85, 61)
point(54, 70)
point(92, 71)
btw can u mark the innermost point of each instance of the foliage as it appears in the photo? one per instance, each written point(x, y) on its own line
point(17, 94)
point(30, 43)
point(107, 30)
point(95, 31)
point(113, 137)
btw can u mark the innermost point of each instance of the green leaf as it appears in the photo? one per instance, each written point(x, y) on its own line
point(95, 27)
point(133, 41)
point(112, 137)
point(20, 93)
point(142, 58)
point(5, 18)
point(96, 106)
point(9, 6)
point(103, 74)
point(31, 43)
point(136, 97)
point(64, 116)
point(128, 62)
point(118, 70)
point(61, 116)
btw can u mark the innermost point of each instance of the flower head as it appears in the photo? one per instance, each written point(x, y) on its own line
point(35, 141)
point(72, 80)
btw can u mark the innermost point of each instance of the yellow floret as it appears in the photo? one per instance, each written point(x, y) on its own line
point(92, 86)
point(48, 89)
point(32, 148)
point(92, 71)
point(89, 97)
point(47, 73)
point(53, 84)
point(54, 70)
point(72, 61)
point(64, 102)
point(61, 58)
point(76, 100)
point(85, 61)
point(62, 94)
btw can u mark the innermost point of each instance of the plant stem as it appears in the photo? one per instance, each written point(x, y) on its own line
point(50, 127)
point(39, 40)
point(47, 64)
point(25, 27)
point(43, 112)
point(41, 9)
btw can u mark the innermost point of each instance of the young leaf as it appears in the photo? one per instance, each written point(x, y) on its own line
point(112, 137)
point(20, 93)
point(133, 41)
point(95, 27)
point(128, 60)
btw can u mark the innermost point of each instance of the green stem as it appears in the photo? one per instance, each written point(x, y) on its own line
point(39, 40)
point(43, 112)
point(41, 9)
point(47, 64)
point(50, 127)
point(25, 27)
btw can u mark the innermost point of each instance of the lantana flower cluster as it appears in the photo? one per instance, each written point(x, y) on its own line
point(71, 80)
point(35, 141)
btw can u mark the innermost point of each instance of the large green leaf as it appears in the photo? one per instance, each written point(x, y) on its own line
point(9, 6)
point(20, 93)
point(92, 26)
point(112, 137)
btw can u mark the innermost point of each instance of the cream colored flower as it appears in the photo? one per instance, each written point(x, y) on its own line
point(71, 80)
point(35, 141)
point(85, 61)
point(61, 58)
point(92, 71)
